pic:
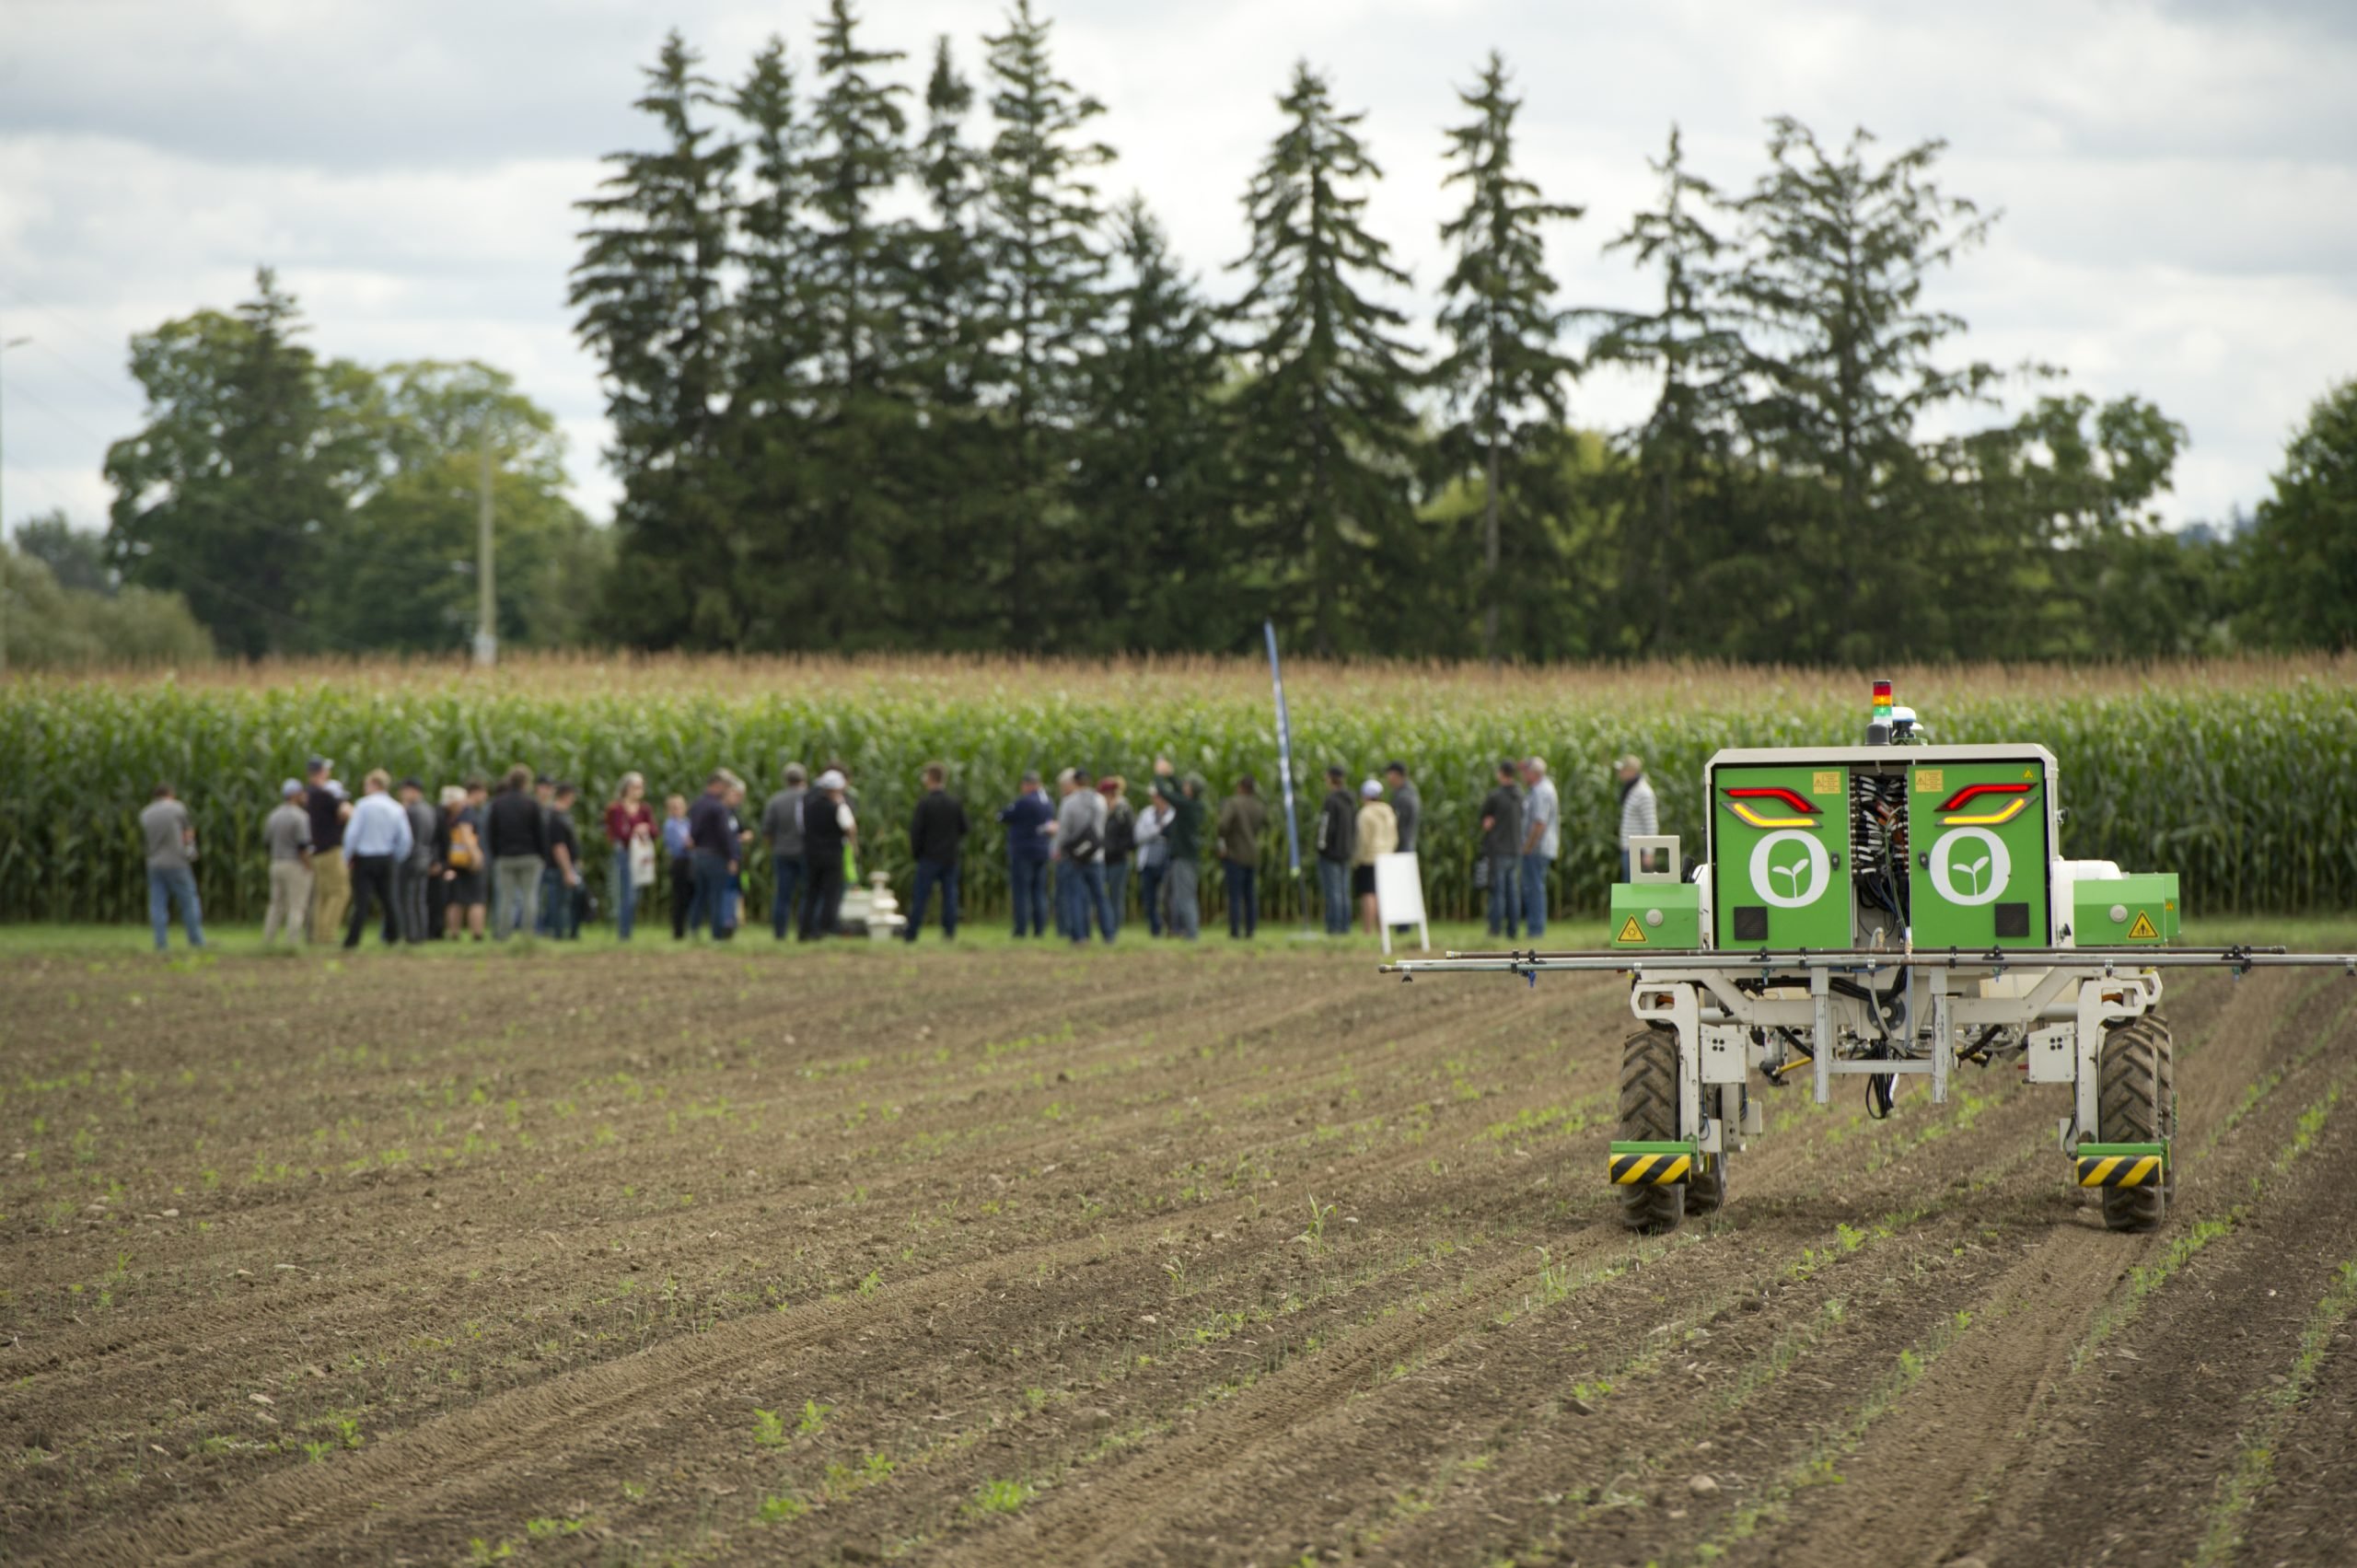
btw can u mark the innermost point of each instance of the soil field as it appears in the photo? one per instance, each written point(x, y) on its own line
point(1209, 1256)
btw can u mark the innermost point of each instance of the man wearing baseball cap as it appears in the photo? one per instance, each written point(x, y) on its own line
point(286, 832)
point(330, 878)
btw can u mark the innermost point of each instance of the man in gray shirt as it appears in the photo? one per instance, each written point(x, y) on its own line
point(781, 830)
point(1542, 821)
point(172, 847)
point(286, 832)
point(413, 875)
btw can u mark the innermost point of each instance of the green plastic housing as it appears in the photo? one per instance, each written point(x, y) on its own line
point(1782, 880)
point(1978, 878)
point(2146, 906)
point(1657, 914)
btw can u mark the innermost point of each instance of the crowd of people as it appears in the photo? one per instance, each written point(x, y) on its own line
point(469, 863)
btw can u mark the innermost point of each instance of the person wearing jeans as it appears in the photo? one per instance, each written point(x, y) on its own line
point(712, 833)
point(1121, 843)
point(172, 843)
point(1501, 848)
point(1337, 840)
point(1026, 821)
point(1241, 818)
point(1185, 836)
point(629, 822)
point(1542, 816)
point(936, 836)
point(1153, 860)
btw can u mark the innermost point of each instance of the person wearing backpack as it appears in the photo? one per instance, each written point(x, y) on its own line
point(1080, 857)
point(466, 868)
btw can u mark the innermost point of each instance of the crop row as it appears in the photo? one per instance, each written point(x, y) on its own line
point(2249, 790)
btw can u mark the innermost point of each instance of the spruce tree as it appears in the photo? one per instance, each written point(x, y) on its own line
point(1328, 443)
point(654, 310)
point(1041, 214)
point(1152, 488)
point(1849, 363)
point(855, 295)
point(1502, 374)
point(1688, 438)
point(776, 352)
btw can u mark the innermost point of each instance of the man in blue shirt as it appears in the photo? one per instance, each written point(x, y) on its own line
point(1026, 823)
point(375, 840)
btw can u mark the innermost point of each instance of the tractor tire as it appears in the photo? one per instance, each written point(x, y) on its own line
point(2136, 1103)
point(1649, 1114)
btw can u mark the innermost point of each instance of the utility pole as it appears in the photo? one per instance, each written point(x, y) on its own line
point(486, 591)
point(12, 342)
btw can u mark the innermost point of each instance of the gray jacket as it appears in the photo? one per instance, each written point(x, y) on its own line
point(1082, 810)
point(781, 824)
point(1409, 807)
point(421, 823)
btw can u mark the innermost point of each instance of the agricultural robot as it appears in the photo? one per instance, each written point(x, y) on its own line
point(1889, 910)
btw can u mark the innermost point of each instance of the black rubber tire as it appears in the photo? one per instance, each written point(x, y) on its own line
point(1649, 1114)
point(2136, 1103)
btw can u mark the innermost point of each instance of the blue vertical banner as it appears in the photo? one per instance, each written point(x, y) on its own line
point(1284, 751)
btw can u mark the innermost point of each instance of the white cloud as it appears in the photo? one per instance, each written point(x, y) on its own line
point(2179, 181)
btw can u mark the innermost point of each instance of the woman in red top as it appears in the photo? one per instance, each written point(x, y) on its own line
point(628, 822)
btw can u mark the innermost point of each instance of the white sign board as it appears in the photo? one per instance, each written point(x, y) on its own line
point(1400, 897)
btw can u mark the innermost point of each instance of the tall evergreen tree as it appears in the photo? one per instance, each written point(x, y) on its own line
point(1152, 487)
point(654, 309)
point(1329, 443)
point(1840, 250)
point(948, 324)
point(243, 472)
point(856, 292)
point(1502, 375)
point(1688, 438)
point(1041, 217)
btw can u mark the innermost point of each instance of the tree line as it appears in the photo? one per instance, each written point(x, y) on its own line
point(889, 368)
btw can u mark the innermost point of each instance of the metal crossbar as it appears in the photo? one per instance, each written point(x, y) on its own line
point(1865, 961)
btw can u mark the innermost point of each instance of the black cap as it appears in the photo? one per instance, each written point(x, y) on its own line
point(318, 765)
point(1336, 772)
point(1396, 766)
point(410, 782)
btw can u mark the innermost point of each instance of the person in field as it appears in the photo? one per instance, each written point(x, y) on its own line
point(564, 859)
point(415, 871)
point(375, 841)
point(1120, 846)
point(1153, 860)
point(466, 862)
point(448, 802)
point(331, 881)
point(936, 836)
point(630, 832)
point(1337, 835)
point(287, 835)
point(712, 834)
point(1028, 819)
point(1542, 823)
point(679, 843)
point(782, 828)
point(517, 835)
point(1408, 810)
point(1079, 858)
point(732, 897)
point(828, 833)
point(1242, 819)
point(1501, 851)
point(1377, 835)
point(1640, 817)
point(171, 874)
point(552, 885)
point(1186, 838)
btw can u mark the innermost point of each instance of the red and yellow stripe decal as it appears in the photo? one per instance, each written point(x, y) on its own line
point(1738, 802)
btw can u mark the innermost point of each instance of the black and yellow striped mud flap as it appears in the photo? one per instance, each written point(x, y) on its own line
point(1653, 1165)
point(2120, 1165)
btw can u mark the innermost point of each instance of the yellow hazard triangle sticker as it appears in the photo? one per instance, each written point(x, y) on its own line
point(2142, 930)
point(1629, 931)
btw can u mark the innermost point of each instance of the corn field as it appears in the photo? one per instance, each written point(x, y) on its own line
point(2242, 776)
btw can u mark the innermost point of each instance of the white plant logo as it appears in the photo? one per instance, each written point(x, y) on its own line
point(1971, 865)
point(1783, 880)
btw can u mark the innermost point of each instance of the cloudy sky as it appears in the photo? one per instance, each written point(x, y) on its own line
point(2179, 180)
